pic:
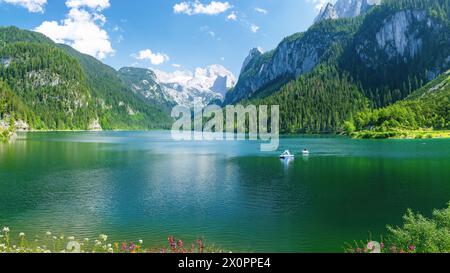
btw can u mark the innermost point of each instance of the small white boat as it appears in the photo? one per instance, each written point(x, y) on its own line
point(286, 155)
point(305, 152)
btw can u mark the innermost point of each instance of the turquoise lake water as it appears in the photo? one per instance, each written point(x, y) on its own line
point(143, 185)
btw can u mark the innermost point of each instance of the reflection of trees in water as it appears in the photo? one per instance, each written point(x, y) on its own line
point(14, 148)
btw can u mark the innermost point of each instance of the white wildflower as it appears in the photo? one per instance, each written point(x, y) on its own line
point(103, 237)
point(6, 229)
point(73, 247)
point(48, 233)
point(110, 250)
point(21, 234)
point(71, 238)
point(141, 242)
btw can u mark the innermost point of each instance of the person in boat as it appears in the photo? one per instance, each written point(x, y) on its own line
point(286, 154)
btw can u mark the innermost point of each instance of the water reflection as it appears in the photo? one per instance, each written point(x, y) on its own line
point(144, 186)
point(287, 162)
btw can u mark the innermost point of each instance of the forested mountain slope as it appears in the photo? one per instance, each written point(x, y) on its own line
point(425, 110)
point(64, 89)
point(118, 107)
point(385, 55)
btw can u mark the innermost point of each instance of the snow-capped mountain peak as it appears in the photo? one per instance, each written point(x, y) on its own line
point(201, 87)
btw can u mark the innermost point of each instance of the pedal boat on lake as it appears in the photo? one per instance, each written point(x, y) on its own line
point(305, 152)
point(286, 155)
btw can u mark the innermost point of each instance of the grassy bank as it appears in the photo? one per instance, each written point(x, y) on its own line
point(401, 134)
point(13, 242)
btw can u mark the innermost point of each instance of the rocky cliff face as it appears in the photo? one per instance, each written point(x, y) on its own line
point(144, 83)
point(374, 49)
point(327, 13)
point(345, 9)
point(19, 125)
point(402, 36)
point(253, 55)
point(295, 55)
point(398, 36)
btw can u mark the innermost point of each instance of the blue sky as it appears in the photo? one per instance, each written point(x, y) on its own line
point(164, 34)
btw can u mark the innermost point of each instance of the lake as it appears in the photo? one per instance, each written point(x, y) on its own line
point(143, 185)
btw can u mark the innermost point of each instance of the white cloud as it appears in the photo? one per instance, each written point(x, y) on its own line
point(82, 29)
point(261, 10)
point(176, 65)
point(254, 28)
point(154, 58)
point(30, 5)
point(232, 16)
point(93, 4)
point(196, 7)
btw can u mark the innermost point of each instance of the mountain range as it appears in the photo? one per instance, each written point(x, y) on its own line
point(53, 86)
point(338, 67)
point(359, 59)
point(201, 88)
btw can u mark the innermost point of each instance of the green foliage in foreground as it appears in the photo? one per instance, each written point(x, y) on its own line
point(418, 234)
point(427, 235)
point(427, 110)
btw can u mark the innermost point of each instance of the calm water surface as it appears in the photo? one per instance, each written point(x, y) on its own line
point(142, 185)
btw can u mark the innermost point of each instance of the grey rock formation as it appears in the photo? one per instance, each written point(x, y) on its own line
point(398, 37)
point(327, 13)
point(294, 56)
point(345, 9)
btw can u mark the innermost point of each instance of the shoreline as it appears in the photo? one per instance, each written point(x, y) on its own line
point(372, 135)
point(88, 131)
point(402, 135)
